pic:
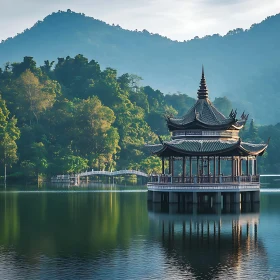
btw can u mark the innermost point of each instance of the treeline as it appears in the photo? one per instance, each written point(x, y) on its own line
point(70, 116)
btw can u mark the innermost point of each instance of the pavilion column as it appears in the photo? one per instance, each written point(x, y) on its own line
point(219, 165)
point(162, 165)
point(202, 166)
point(208, 167)
point(255, 166)
point(190, 166)
point(197, 166)
point(232, 167)
point(240, 166)
point(170, 166)
point(247, 166)
point(214, 169)
point(184, 168)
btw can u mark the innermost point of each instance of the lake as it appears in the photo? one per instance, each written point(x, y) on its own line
point(104, 232)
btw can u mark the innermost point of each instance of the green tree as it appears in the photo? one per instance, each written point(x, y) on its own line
point(33, 97)
point(223, 104)
point(95, 139)
point(9, 134)
point(151, 165)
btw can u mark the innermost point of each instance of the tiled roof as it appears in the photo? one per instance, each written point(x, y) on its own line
point(253, 147)
point(206, 146)
point(199, 146)
point(153, 149)
point(204, 112)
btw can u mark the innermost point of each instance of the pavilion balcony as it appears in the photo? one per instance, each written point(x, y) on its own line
point(192, 180)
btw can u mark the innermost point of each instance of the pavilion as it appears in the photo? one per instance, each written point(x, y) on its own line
point(206, 159)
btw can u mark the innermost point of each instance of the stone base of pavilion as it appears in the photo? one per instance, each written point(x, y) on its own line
point(197, 190)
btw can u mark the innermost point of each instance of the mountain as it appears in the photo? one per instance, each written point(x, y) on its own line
point(242, 65)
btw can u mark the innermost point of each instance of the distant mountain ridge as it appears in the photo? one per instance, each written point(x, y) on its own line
point(243, 65)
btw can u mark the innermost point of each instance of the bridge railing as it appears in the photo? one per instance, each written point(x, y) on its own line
point(114, 173)
point(163, 178)
point(106, 173)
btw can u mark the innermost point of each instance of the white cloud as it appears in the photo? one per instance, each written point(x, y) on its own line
point(177, 19)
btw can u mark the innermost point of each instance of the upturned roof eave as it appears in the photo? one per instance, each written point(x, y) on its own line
point(200, 124)
point(236, 146)
point(256, 153)
point(172, 148)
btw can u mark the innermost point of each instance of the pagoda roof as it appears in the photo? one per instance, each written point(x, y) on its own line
point(180, 147)
point(203, 114)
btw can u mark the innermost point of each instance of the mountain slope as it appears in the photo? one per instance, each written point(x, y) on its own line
point(235, 64)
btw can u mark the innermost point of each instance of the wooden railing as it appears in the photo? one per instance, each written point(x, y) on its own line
point(204, 179)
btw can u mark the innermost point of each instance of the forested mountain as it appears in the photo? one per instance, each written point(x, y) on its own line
point(243, 65)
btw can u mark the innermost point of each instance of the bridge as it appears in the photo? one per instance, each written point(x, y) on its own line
point(113, 173)
point(76, 177)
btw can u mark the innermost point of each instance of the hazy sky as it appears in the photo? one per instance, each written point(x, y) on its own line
point(176, 19)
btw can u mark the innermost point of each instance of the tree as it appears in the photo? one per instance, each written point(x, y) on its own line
point(95, 139)
point(223, 104)
point(253, 132)
point(9, 133)
point(39, 159)
point(151, 165)
point(33, 97)
point(180, 102)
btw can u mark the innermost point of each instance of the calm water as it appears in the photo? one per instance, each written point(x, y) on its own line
point(108, 233)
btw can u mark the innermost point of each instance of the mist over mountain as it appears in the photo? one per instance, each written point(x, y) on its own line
point(242, 65)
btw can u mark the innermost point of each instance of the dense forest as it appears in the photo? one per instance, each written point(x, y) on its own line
point(70, 116)
point(242, 65)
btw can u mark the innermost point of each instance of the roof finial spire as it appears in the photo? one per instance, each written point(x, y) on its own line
point(202, 92)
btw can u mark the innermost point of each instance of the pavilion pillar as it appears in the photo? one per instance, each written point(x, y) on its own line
point(252, 160)
point(184, 168)
point(197, 166)
point(208, 168)
point(219, 165)
point(170, 165)
point(247, 166)
point(232, 167)
point(255, 166)
point(214, 175)
point(162, 165)
point(156, 197)
point(190, 166)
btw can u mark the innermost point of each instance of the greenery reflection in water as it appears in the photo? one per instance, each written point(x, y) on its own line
point(70, 223)
point(109, 234)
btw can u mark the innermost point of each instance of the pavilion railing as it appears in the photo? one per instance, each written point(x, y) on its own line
point(203, 179)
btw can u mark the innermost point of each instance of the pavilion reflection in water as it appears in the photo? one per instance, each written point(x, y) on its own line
point(209, 243)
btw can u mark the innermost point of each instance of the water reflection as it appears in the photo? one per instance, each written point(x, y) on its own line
point(210, 243)
point(64, 224)
point(114, 235)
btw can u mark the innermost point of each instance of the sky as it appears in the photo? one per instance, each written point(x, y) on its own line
point(177, 19)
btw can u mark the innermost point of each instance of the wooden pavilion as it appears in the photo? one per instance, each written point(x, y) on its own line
point(214, 163)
